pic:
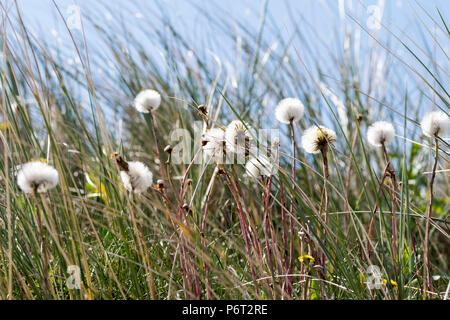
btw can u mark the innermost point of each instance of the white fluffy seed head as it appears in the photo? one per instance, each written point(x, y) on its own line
point(138, 178)
point(435, 124)
point(237, 136)
point(380, 132)
point(260, 166)
point(289, 109)
point(213, 143)
point(37, 176)
point(315, 138)
point(147, 100)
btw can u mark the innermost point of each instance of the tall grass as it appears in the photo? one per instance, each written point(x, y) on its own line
point(207, 232)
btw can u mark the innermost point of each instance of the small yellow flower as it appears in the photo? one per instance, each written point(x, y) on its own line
point(44, 160)
point(4, 126)
point(393, 283)
point(102, 191)
point(306, 257)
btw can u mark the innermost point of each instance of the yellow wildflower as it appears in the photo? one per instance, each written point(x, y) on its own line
point(4, 126)
point(393, 283)
point(44, 160)
point(306, 257)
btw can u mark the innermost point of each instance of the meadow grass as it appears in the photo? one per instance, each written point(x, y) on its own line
point(207, 231)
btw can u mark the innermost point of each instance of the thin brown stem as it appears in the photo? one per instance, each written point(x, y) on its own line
point(291, 211)
point(267, 222)
point(46, 284)
point(158, 152)
point(427, 265)
point(375, 208)
point(324, 202)
point(204, 219)
point(244, 226)
point(392, 175)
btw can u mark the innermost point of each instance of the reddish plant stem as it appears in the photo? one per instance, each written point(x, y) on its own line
point(375, 208)
point(183, 220)
point(394, 200)
point(158, 152)
point(46, 284)
point(427, 284)
point(272, 229)
point(243, 227)
point(291, 212)
point(205, 265)
point(324, 203)
point(250, 225)
point(266, 197)
point(284, 236)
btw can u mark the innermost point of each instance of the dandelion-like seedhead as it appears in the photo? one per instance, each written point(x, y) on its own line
point(260, 166)
point(213, 143)
point(147, 100)
point(138, 178)
point(435, 124)
point(37, 176)
point(316, 138)
point(380, 132)
point(237, 136)
point(289, 109)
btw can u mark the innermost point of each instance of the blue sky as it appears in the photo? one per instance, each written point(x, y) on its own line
point(321, 20)
point(320, 12)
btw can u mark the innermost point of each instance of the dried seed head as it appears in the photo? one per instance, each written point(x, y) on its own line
point(147, 100)
point(237, 136)
point(202, 109)
point(316, 138)
point(138, 178)
point(289, 110)
point(435, 124)
point(168, 149)
point(160, 184)
point(380, 132)
point(37, 176)
point(213, 143)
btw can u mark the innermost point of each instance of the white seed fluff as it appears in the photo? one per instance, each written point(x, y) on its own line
point(213, 143)
point(289, 109)
point(138, 178)
point(147, 100)
point(237, 136)
point(435, 124)
point(380, 132)
point(37, 175)
point(260, 166)
point(317, 137)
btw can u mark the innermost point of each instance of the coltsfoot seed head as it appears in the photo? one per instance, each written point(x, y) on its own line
point(289, 110)
point(435, 124)
point(380, 132)
point(138, 178)
point(316, 138)
point(37, 176)
point(237, 136)
point(147, 100)
point(213, 144)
